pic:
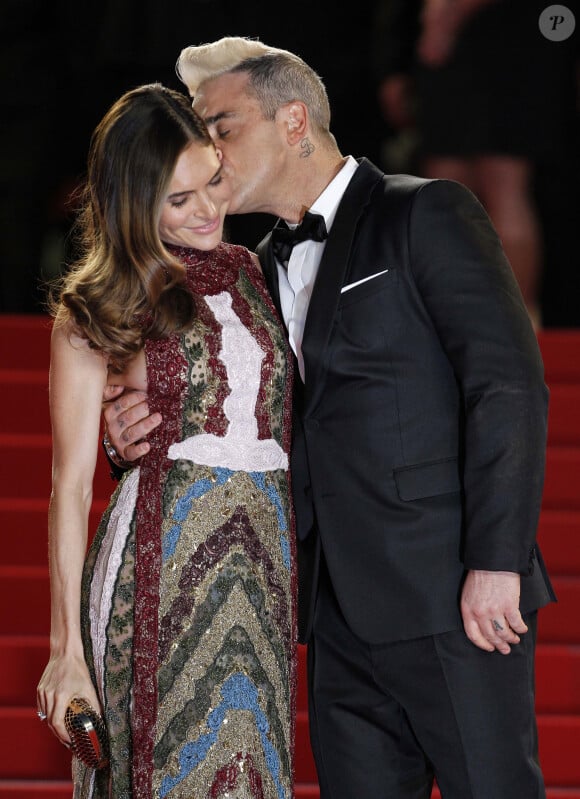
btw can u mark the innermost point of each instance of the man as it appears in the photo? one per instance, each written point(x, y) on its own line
point(419, 446)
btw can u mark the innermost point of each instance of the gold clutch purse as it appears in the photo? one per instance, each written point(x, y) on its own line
point(87, 733)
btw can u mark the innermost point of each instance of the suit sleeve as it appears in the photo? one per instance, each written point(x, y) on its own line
point(468, 289)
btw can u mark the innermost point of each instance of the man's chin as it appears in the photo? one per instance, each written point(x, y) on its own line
point(241, 202)
point(236, 207)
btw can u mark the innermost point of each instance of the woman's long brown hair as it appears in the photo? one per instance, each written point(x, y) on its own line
point(126, 286)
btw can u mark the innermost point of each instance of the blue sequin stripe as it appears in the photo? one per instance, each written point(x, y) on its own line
point(204, 486)
point(271, 492)
point(238, 693)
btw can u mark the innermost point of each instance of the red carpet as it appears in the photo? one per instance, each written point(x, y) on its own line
point(33, 765)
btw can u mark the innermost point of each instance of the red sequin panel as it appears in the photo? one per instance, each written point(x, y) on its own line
point(166, 371)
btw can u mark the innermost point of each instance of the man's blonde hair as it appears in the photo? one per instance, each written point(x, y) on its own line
point(276, 76)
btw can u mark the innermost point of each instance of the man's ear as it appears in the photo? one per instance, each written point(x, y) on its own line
point(296, 120)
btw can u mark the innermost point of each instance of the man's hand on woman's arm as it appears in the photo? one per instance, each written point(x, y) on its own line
point(127, 423)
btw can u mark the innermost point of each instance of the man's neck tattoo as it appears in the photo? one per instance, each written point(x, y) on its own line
point(307, 148)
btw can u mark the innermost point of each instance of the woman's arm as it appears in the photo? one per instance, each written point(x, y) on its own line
point(78, 376)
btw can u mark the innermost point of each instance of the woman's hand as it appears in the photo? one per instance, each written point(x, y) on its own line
point(64, 678)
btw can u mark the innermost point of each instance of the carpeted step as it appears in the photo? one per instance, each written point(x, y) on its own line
point(559, 622)
point(26, 465)
point(24, 524)
point(29, 749)
point(22, 661)
point(25, 469)
point(24, 406)
point(24, 596)
point(25, 521)
point(23, 658)
point(561, 488)
point(31, 789)
point(559, 538)
point(62, 790)
point(559, 737)
point(25, 600)
point(561, 354)
point(24, 593)
point(563, 416)
point(558, 679)
point(44, 758)
point(24, 341)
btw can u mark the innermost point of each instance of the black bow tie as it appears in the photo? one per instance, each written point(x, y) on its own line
point(283, 238)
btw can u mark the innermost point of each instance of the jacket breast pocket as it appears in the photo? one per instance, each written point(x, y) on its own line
point(368, 287)
point(428, 479)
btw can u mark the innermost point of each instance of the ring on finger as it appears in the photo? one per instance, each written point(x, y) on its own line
point(41, 715)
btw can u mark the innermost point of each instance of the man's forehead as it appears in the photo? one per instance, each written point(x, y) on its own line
point(223, 95)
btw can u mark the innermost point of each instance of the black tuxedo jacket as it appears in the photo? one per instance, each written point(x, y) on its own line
point(419, 436)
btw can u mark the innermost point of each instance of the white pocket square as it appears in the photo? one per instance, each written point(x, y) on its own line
point(364, 280)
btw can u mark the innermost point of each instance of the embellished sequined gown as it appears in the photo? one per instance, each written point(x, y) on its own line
point(189, 585)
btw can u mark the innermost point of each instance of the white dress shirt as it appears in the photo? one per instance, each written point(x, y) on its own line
point(297, 282)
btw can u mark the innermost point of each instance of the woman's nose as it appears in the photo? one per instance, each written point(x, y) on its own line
point(205, 207)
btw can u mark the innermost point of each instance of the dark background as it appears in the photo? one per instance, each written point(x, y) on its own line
point(63, 63)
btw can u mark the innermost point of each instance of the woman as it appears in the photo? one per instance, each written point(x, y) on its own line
point(180, 626)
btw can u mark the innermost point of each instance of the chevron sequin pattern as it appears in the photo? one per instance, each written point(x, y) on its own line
point(189, 586)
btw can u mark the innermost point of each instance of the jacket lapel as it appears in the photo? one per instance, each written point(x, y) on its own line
point(331, 275)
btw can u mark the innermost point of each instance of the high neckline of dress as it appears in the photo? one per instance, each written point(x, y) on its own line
point(191, 253)
point(208, 271)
